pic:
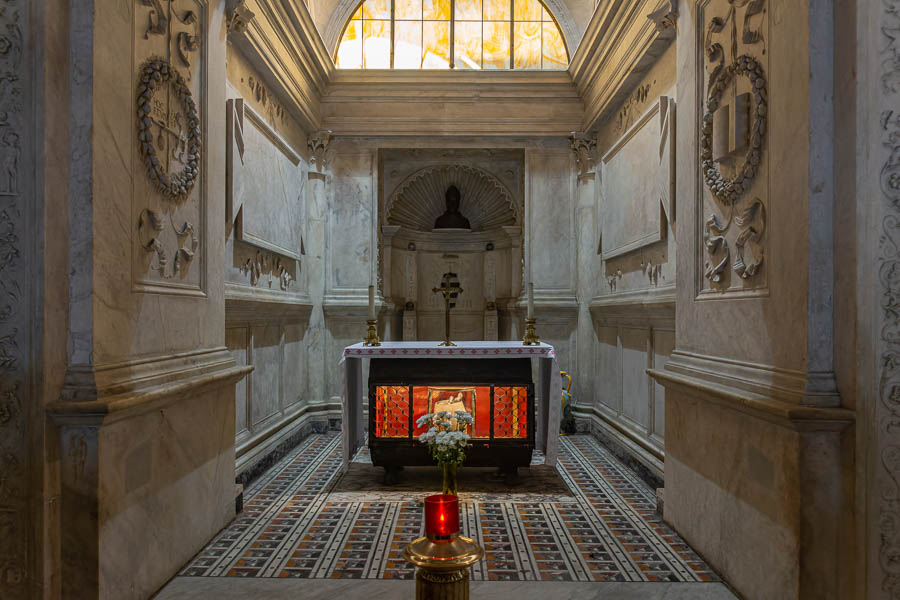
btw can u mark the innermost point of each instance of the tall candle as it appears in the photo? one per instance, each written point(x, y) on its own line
point(530, 300)
point(371, 302)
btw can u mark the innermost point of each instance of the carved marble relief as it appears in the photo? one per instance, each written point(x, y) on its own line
point(265, 269)
point(15, 225)
point(169, 196)
point(888, 410)
point(732, 145)
point(272, 108)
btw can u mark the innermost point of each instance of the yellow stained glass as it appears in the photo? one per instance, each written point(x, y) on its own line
point(467, 49)
point(496, 45)
point(545, 16)
point(358, 14)
point(349, 55)
point(407, 10)
point(436, 51)
point(527, 10)
point(496, 10)
point(436, 10)
point(376, 9)
point(407, 44)
point(376, 44)
point(528, 46)
point(467, 10)
point(554, 48)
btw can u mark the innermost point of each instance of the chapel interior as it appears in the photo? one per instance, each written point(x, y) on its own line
point(663, 237)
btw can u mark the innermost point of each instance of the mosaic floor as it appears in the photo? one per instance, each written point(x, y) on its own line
point(293, 525)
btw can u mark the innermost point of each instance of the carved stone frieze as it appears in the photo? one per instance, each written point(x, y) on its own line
point(168, 204)
point(271, 107)
point(888, 411)
point(631, 107)
point(266, 268)
point(584, 146)
point(16, 208)
point(732, 136)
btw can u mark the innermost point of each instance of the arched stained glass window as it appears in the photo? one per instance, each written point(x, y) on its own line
point(483, 34)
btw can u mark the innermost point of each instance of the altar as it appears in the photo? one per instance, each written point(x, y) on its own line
point(513, 412)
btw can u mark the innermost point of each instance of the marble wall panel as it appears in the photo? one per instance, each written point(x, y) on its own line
point(268, 181)
point(607, 368)
point(267, 351)
point(293, 367)
point(635, 383)
point(551, 223)
point(663, 346)
point(238, 343)
point(635, 183)
point(350, 220)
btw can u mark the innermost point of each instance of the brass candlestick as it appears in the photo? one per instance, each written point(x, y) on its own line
point(531, 338)
point(443, 566)
point(372, 335)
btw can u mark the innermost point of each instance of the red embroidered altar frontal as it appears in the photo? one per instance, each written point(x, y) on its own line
point(498, 411)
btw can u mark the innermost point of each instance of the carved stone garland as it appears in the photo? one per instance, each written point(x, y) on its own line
point(730, 190)
point(155, 73)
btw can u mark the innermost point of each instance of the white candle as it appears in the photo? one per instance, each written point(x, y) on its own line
point(371, 302)
point(530, 300)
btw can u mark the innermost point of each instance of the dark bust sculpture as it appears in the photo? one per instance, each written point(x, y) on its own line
point(452, 218)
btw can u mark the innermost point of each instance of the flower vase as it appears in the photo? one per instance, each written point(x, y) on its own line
point(449, 486)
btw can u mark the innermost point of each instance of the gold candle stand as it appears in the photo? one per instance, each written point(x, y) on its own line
point(531, 338)
point(372, 335)
point(443, 566)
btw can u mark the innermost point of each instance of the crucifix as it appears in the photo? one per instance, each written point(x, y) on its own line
point(450, 289)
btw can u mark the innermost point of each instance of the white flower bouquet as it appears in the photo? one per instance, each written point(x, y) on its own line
point(447, 436)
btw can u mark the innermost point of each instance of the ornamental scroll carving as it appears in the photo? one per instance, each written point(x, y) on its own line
point(16, 210)
point(169, 71)
point(732, 144)
point(888, 409)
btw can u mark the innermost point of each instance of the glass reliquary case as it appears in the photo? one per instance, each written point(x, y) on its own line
point(498, 393)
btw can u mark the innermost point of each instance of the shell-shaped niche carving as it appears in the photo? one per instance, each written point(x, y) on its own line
point(419, 200)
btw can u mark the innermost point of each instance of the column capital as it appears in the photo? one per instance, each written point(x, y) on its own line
point(665, 16)
point(238, 16)
point(584, 146)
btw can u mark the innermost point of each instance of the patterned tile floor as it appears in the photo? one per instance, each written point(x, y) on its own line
point(290, 527)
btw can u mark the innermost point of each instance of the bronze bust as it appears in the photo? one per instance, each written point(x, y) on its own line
point(452, 218)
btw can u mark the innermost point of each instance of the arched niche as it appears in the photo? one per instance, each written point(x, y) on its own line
point(487, 258)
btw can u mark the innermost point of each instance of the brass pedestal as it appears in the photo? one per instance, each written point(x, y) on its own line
point(531, 338)
point(372, 334)
point(443, 572)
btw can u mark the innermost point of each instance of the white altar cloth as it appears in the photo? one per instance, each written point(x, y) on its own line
point(548, 388)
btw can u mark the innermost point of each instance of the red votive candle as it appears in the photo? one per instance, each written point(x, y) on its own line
point(441, 516)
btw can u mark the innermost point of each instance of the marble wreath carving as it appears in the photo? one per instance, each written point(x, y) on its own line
point(155, 74)
point(728, 191)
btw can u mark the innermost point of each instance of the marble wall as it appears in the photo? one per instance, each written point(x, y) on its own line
point(626, 256)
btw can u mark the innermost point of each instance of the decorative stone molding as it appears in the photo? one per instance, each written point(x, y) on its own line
point(266, 263)
point(273, 109)
point(887, 413)
point(169, 99)
point(238, 17)
point(419, 200)
point(733, 130)
point(318, 148)
point(666, 16)
point(584, 146)
point(16, 276)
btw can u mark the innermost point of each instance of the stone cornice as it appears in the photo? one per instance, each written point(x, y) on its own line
point(245, 304)
point(97, 395)
point(619, 46)
point(282, 42)
point(785, 414)
point(655, 306)
point(457, 103)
